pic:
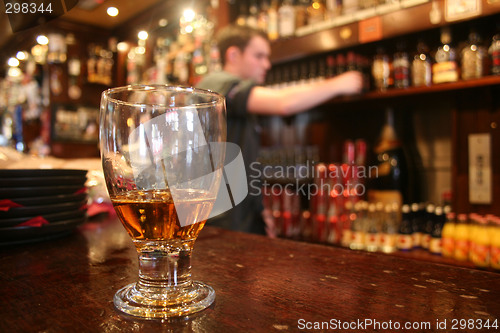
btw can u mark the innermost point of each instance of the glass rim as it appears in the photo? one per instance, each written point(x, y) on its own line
point(162, 87)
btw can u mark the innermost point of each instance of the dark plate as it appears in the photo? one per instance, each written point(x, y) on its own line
point(48, 200)
point(31, 173)
point(30, 192)
point(32, 211)
point(51, 218)
point(22, 235)
point(43, 181)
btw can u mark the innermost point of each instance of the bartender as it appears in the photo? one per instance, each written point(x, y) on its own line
point(245, 54)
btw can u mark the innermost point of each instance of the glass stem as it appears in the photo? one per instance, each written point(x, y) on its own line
point(163, 271)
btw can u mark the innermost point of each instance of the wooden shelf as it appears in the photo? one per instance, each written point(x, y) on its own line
point(404, 21)
point(443, 87)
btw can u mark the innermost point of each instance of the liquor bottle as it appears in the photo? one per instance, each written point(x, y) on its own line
point(372, 240)
point(301, 13)
point(494, 51)
point(435, 243)
point(417, 224)
point(401, 64)
point(474, 58)
point(404, 240)
point(330, 66)
point(272, 24)
point(350, 6)
point(381, 70)
point(341, 64)
point(389, 182)
point(445, 67)
point(429, 221)
point(286, 15)
point(448, 236)
point(421, 67)
point(316, 12)
point(388, 238)
point(263, 16)
point(333, 8)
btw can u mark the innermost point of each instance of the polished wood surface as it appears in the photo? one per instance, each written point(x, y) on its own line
point(261, 284)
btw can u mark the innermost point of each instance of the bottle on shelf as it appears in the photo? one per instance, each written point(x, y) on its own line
point(421, 66)
point(286, 19)
point(494, 52)
point(372, 239)
point(263, 16)
point(401, 64)
point(316, 12)
point(404, 241)
point(494, 230)
point(481, 243)
point(445, 67)
point(448, 236)
point(462, 232)
point(333, 8)
point(417, 223)
point(381, 70)
point(388, 178)
point(435, 243)
point(273, 24)
point(474, 56)
point(350, 6)
point(301, 13)
point(429, 221)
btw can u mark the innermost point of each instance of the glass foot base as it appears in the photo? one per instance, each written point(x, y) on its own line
point(134, 302)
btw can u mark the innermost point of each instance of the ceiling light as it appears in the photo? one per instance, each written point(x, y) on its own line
point(112, 11)
point(143, 35)
point(13, 62)
point(42, 40)
point(122, 46)
point(21, 55)
point(189, 15)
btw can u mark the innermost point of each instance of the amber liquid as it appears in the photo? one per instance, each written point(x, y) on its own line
point(152, 215)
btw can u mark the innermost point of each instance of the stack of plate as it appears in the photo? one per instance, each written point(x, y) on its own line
point(40, 204)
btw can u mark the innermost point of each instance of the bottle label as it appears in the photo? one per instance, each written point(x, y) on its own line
point(346, 238)
point(435, 245)
point(388, 241)
point(462, 249)
point(426, 240)
point(444, 72)
point(495, 257)
point(404, 242)
point(448, 244)
point(416, 239)
point(480, 254)
point(372, 240)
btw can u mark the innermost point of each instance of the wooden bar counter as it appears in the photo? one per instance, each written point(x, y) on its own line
point(261, 284)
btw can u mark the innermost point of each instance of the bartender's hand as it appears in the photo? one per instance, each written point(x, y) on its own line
point(350, 83)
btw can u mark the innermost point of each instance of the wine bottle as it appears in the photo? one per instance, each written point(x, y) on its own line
point(388, 174)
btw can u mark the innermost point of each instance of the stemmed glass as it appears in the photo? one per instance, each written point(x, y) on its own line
point(162, 151)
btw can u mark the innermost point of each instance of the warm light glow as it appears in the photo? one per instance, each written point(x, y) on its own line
point(42, 40)
point(122, 46)
point(14, 72)
point(21, 55)
point(13, 62)
point(189, 29)
point(112, 11)
point(142, 35)
point(163, 22)
point(315, 5)
point(189, 15)
point(140, 50)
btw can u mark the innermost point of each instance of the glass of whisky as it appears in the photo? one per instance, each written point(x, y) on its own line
point(162, 150)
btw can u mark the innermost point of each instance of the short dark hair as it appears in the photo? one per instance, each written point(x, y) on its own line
point(236, 35)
